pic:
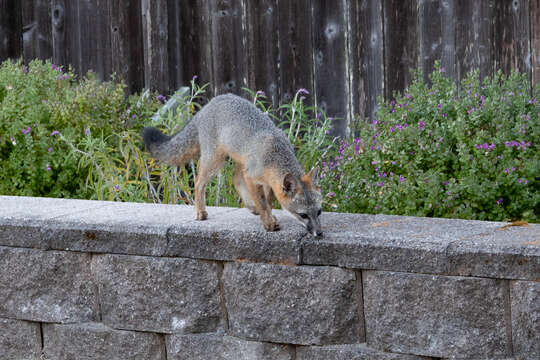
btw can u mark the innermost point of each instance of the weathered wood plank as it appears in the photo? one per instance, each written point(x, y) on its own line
point(10, 29)
point(66, 33)
point(155, 40)
point(535, 42)
point(174, 11)
point(196, 35)
point(37, 29)
point(263, 49)
point(511, 43)
point(127, 42)
point(228, 47)
point(330, 49)
point(437, 36)
point(401, 47)
point(474, 34)
point(296, 51)
point(366, 57)
point(95, 38)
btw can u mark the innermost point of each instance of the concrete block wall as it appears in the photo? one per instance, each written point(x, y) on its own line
point(102, 280)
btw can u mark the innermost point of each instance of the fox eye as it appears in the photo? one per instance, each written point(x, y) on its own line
point(303, 216)
point(319, 212)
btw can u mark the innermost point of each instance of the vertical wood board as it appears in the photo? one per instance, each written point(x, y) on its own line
point(155, 40)
point(10, 29)
point(330, 51)
point(535, 42)
point(228, 46)
point(511, 41)
point(474, 37)
point(296, 51)
point(196, 35)
point(263, 48)
point(127, 48)
point(437, 36)
point(401, 47)
point(366, 57)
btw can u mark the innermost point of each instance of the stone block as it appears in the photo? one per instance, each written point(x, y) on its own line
point(118, 228)
point(348, 352)
point(506, 252)
point(525, 299)
point(237, 236)
point(292, 304)
point(164, 295)
point(440, 316)
point(215, 347)
point(95, 341)
point(22, 218)
point(19, 340)
point(383, 242)
point(48, 286)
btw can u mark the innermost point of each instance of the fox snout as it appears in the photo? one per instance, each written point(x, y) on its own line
point(311, 223)
point(314, 227)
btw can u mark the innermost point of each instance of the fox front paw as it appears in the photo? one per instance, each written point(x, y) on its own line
point(271, 225)
point(202, 215)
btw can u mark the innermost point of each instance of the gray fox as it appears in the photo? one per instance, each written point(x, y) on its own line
point(266, 166)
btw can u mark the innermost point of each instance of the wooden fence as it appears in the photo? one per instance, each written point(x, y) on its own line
point(344, 52)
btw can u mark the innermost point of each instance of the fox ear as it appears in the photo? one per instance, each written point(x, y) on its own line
point(312, 177)
point(289, 185)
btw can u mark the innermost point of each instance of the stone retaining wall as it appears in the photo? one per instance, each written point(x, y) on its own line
point(102, 280)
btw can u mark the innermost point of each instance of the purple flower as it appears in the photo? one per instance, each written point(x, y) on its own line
point(49, 149)
point(260, 92)
point(195, 77)
point(401, 178)
point(26, 130)
point(380, 184)
point(87, 131)
point(499, 202)
point(331, 194)
point(161, 98)
point(439, 106)
point(48, 167)
point(55, 132)
point(302, 91)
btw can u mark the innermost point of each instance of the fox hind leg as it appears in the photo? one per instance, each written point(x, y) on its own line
point(207, 169)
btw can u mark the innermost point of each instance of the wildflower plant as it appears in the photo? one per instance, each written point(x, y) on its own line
point(446, 151)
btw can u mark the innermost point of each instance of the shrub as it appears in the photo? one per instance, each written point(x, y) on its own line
point(44, 114)
point(446, 151)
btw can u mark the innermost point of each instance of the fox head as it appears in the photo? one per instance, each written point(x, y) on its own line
point(303, 200)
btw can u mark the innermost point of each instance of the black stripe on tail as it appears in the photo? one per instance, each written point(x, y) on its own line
point(152, 137)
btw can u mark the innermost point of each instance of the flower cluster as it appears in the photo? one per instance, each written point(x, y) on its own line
point(457, 161)
point(519, 145)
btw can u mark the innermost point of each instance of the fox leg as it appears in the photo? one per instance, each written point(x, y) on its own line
point(256, 193)
point(241, 188)
point(268, 195)
point(207, 169)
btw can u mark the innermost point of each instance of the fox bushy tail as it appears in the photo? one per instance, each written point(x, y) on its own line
point(173, 150)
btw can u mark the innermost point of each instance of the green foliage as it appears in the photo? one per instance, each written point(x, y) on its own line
point(46, 115)
point(469, 152)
